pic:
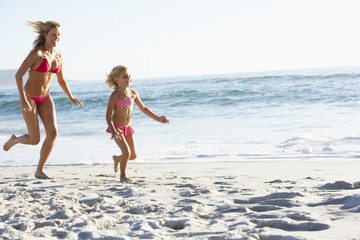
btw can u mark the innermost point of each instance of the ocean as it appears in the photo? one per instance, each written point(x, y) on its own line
point(303, 115)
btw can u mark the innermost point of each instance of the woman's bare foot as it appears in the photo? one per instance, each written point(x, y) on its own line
point(125, 179)
point(42, 175)
point(9, 143)
point(116, 163)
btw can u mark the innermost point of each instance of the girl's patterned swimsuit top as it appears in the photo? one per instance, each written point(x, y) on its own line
point(123, 103)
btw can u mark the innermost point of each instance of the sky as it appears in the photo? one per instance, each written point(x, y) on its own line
point(164, 38)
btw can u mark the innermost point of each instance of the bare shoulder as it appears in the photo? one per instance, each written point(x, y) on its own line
point(36, 53)
point(60, 55)
point(113, 98)
point(33, 58)
point(134, 93)
point(114, 94)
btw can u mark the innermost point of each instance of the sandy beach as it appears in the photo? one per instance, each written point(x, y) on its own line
point(218, 200)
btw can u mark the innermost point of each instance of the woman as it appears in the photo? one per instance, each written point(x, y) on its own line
point(35, 100)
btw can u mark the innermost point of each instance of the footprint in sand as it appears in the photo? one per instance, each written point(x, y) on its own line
point(278, 195)
point(186, 186)
point(348, 202)
point(341, 185)
point(174, 224)
point(23, 226)
point(45, 224)
point(271, 202)
point(142, 210)
point(290, 226)
point(264, 208)
point(279, 202)
point(20, 185)
point(189, 194)
point(59, 234)
point(222, 183)
point(300, 217)
point(38, 182)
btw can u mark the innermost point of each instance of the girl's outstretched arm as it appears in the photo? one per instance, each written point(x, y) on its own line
point(147, 111)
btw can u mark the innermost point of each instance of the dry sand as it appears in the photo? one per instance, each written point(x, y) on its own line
point(218, 200)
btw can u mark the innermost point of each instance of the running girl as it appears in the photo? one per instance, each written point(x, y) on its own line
point(119, 116)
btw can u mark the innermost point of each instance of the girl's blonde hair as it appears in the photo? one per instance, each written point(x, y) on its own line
point(42, 28)
point(115, 72)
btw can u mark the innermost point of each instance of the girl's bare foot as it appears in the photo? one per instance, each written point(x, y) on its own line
point(125, 179)
point(116, 163)
point(9, 143)
point(42, 175)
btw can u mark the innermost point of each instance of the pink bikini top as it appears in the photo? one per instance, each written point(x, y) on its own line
point(124, 102)
point(45, 66)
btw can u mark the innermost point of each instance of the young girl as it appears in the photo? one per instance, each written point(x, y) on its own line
point(119, 115)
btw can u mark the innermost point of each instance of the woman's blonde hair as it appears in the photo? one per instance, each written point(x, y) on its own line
point(115, 72)
point(42, 28)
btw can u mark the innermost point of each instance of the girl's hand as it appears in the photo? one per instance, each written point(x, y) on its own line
point(25, 106)
point(163, 119)
point(76, 102)
point(115, 136)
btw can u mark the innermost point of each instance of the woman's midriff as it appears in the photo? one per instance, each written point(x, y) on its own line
point(38, 85)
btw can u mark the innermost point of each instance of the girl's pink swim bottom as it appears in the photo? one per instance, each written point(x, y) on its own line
point(126, 130)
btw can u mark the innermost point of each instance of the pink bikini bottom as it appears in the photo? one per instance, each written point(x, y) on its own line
point(126, 130)
point(40, 100)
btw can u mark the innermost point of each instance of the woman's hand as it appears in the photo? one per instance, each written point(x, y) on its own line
point(163, 119)
point(25, 105)
point(76, 102)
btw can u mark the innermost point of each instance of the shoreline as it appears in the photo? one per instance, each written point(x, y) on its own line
point(223, 200)
point(272, 159)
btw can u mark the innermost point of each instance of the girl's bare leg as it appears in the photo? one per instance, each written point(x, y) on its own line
point(32, 123)
point(131, 142)
point(116, 163)
point(124, 158)
point(48, 117)
point(125, 179)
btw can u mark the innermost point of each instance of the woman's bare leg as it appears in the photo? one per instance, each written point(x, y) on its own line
point(10, 143)
point(32, 123)
point(48, 117)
